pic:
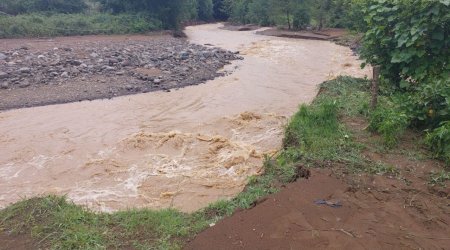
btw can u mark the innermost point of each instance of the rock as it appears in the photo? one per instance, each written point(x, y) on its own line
point(125, 63)
point(65, 74)
point(24, 84)
point(15, 54)
point(53, 74)
point(129, 87)
point(25, 70)
point(83, 65)
point(93, 55)
point(3, 56)
point(113, 61)
point(4, 85)
point(3, 75)
point(75, 62)
point(184, 55)
point(120, 73)
point(108, 68)
point(157, 81)
point(41, 57)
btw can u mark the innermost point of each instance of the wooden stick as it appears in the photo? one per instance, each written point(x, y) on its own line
point(375, 86)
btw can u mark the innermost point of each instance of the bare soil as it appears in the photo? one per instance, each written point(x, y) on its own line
point(324, 35)
point(377, 212)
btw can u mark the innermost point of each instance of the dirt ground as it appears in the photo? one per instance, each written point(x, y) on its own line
point(376, 212)
point(325, 35)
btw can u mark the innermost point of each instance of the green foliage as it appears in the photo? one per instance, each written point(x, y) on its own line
point(205, 10)
point(389, 122)
point(439, 141)
point(15, 7)
point(440, 178)
point(221, 10)
point(301, 18)
point(409, 40)
point(38, 25)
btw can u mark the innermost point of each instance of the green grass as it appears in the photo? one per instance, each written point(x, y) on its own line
point(49, 25)
point(440, 178)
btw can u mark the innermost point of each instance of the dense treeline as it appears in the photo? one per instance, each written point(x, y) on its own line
point(15, 7)
point(298, 14)
point(294, 14)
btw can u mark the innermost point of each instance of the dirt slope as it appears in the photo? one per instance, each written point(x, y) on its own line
point(367, 220)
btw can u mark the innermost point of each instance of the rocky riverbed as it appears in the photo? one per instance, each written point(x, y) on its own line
point(87, 70)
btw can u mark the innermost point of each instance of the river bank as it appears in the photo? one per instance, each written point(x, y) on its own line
point(37, 72)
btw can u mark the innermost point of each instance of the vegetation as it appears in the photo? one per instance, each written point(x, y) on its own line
point(409, 40)
point(15, 7)
point(299, 14)
point(40, 25)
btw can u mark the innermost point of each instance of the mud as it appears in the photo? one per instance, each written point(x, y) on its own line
point(376, 212)
point(182, 149)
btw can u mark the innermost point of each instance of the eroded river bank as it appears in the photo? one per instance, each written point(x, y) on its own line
point(182, 149)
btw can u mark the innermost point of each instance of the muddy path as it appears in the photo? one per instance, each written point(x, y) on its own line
point(182, 149)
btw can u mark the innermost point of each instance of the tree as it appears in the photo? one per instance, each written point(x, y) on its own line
point(221, 10)
point(320, 10)
point(205, 9)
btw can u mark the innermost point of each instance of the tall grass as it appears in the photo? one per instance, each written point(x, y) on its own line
point(49, 25)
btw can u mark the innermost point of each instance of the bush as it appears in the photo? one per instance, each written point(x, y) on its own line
point(390, 123)
point(39, 25)
point(301, 18)
point(439, 141)
point(408, 39)
point(15, 7)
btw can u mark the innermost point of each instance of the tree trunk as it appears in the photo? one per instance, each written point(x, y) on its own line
point(375, 86)
point(288, 19)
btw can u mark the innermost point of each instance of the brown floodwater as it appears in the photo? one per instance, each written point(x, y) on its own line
point(183, 149)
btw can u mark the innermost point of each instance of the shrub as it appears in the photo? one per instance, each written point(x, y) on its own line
point(439, 141)
point(389, 122)
point(39, 25)
point(301, 18)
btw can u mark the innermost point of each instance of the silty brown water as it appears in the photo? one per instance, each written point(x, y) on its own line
point(182, 149)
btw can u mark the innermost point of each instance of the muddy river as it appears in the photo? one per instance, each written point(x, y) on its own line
point(182, 149)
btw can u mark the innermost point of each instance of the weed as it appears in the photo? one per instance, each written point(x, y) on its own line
point(439, 178)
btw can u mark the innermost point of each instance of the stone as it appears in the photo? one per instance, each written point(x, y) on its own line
point(65, 74)
point(93, 55)
point(3, 56)
point(129, 87)
point(4, 85)
point(184, 55)
point(24, 84)
point(41, 57)
point(157, 81)
point(113, 61)
point(3, 75)
point(25, 70)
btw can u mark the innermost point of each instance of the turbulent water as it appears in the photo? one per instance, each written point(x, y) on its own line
point(182, 149)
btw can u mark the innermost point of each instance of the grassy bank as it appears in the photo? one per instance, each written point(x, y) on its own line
point(315, 137)
point(49, 25)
